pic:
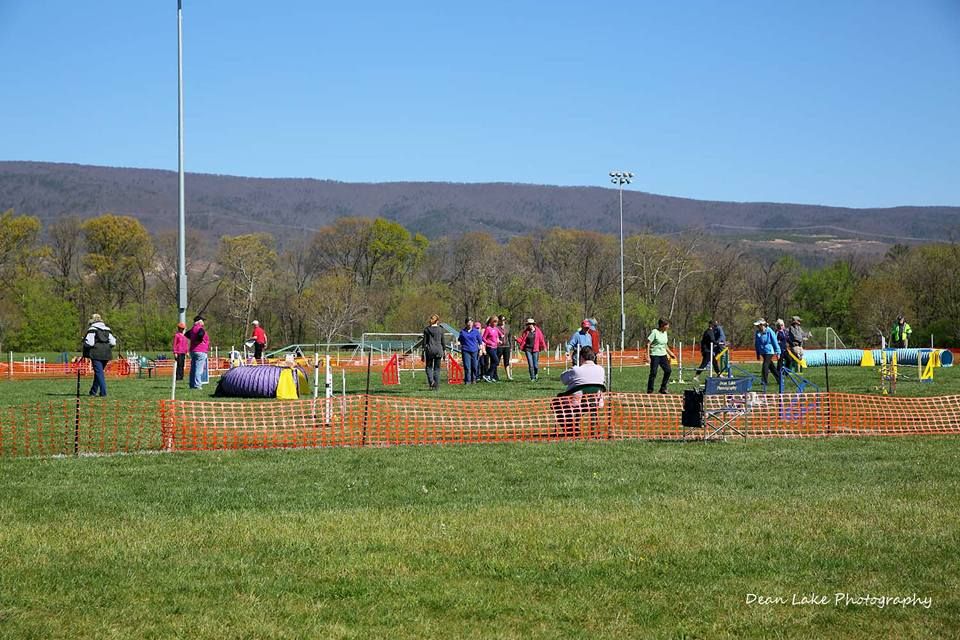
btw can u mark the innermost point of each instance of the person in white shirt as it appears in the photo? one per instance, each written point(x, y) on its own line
point(587, 372)
point(569, 405)
point(98, 345)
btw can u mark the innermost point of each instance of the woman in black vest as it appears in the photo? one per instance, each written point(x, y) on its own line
point(98, 345)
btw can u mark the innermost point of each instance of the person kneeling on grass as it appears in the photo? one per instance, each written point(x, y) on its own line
point(568, 405)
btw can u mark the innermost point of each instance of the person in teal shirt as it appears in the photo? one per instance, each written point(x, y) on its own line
point(658, 347)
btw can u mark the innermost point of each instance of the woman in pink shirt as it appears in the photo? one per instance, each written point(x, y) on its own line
point(491, 339)
point(181, 345)
point(199, 346)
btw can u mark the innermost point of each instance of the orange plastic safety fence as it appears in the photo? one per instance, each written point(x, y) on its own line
point(382, 421)
point(95, 425)
point(34, 370)
point(109, 426)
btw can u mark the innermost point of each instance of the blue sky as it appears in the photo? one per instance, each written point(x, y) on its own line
point(852, 103)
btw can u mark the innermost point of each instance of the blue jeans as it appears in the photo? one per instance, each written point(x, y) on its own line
point(533, 363)
point(99, 381)
point(198, 362)
point(471, 366)
point(494, 356)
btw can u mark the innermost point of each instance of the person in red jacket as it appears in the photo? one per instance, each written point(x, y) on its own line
point(181, 346)
point(532, 342)
point(259, 340)
point(594, 335)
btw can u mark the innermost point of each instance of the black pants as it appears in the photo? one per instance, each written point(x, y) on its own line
point(504, 355)
point(257, 350)
point(705, 363)
point(782, 363)
point(433, 371)
point(181, 357)
point(767, 368)
point(662, 362)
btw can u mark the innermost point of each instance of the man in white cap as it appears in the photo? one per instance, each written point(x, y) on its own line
point(259, 340)
point(795, 338)
point(98, 345)
point(766, 345)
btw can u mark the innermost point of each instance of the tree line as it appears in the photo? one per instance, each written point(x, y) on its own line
point(371, 274)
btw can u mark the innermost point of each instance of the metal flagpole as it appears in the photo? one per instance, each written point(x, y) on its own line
point(621, 178)
point(182, 251)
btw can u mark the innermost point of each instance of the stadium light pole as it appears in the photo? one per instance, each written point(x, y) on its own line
point(621, 178)
point(181, 228)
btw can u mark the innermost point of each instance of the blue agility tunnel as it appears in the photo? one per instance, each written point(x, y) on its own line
point(854, 357)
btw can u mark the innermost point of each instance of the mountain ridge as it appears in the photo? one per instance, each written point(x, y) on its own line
point(220, 204)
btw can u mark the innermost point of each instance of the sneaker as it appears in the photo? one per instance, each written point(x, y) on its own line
point(664, 391)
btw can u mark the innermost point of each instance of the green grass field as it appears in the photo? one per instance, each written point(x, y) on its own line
point(619, 540)
point(556, 540)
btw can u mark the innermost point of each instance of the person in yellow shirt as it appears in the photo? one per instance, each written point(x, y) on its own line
point(900, 334)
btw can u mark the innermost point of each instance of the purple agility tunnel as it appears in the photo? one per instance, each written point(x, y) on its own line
point(258, 381)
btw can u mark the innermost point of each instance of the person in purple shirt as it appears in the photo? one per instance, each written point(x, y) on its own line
point(469, 340)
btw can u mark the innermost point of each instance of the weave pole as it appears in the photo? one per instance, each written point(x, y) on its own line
point(328, 390)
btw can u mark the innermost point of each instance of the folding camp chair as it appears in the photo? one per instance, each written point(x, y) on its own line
point(716, 421)
point(576, 406)
point(736, 405)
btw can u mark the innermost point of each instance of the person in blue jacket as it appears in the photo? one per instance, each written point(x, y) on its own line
point(469, 340)
point(766, 345)
point(579, 340)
